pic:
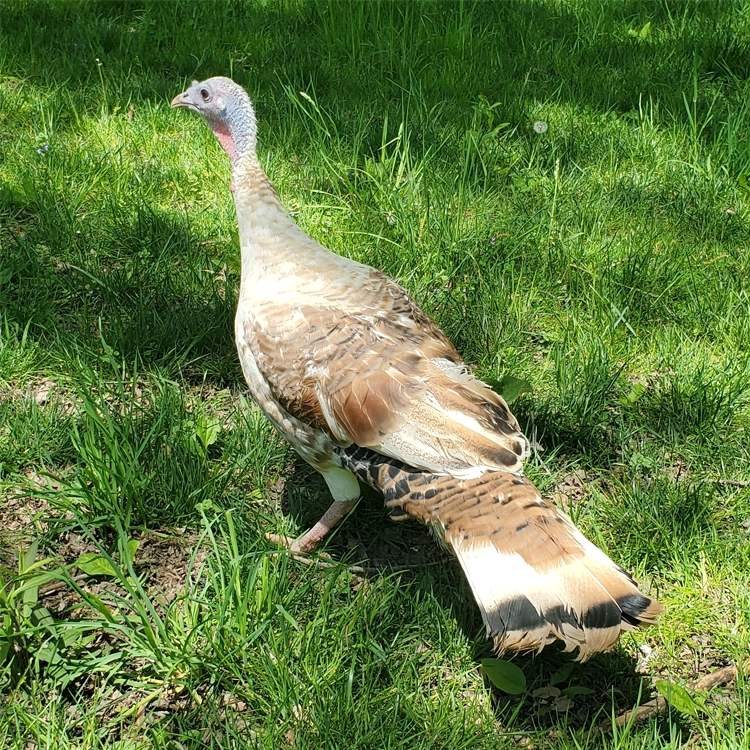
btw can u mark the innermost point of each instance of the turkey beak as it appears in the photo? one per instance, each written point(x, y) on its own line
point(181, 100)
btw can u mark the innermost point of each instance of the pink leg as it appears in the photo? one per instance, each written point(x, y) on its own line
point(308, 541)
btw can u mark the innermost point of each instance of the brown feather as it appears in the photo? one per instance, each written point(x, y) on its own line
point(497, 508)
point(373, 379)
point(535, 577)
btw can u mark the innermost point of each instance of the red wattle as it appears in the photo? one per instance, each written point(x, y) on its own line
point(225, 138)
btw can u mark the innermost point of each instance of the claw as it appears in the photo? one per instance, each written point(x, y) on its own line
point(292, 544)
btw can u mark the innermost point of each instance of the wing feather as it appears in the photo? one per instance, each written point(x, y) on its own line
point(380, 374)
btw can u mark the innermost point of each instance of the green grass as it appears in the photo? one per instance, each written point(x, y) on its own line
point(604, 260)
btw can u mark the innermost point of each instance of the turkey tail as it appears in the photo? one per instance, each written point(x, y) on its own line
point(585, 602)
point(535, 577)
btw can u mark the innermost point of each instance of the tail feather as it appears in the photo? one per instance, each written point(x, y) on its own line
point(534, 575)
point(584, 603)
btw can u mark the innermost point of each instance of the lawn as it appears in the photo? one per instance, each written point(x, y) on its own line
point(562, 185)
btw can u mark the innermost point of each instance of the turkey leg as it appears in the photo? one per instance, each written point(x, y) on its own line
point(307, 542)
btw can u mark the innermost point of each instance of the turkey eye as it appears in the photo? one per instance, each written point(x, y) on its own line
point(205, 95)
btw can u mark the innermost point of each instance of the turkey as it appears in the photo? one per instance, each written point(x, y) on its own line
point(367, 388)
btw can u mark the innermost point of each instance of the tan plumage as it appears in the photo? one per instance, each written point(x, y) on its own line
point(364, 384)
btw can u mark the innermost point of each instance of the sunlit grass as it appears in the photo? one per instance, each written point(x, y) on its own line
point(560, 184)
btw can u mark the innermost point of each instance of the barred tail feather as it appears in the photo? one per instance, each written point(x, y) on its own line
point(586, 602)
point(535, 576)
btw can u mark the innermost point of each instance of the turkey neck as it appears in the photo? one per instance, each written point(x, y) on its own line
point(262, 223)
point(279, 261)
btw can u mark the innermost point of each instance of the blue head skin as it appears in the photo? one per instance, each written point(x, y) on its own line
point(228, 111)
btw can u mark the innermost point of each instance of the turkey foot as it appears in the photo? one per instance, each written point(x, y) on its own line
point(307, 542)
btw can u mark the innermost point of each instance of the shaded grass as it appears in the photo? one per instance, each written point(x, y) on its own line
point(603, 260)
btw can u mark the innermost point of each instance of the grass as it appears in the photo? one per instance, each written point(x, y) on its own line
point(603, 260)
